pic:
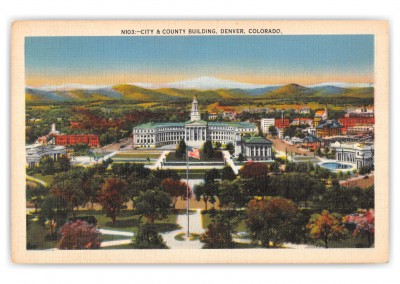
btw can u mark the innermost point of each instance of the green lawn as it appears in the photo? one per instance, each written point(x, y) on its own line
point(206, 220)
point(136, 155)
point(46, 178)
point(127, 221)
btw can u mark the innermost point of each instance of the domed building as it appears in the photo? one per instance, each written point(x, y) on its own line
point(194, 132)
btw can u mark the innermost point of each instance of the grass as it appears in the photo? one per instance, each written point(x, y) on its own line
point(136, 155)
point(36, 234)
point(206, 220)
point(127, 221)
point(350, 242)
point(180, 237)
point(126, 246)
point(106, 238)
point(46, 178)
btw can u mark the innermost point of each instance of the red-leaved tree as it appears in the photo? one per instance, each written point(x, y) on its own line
point(79, 235)
point(176, 189)
point(112, 197)
point(253, 170)
point(365, 224)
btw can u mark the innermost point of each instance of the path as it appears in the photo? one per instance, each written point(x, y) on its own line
point(229, 161)
point(30, 178)
point(195, 227)
point(158, 164)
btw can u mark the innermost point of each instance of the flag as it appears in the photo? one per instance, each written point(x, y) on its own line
point(193, 152)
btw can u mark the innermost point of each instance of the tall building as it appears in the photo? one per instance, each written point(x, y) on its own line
point(266, 123)
point(194, 132)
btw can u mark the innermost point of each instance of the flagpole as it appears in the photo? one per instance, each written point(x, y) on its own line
point(187, 190)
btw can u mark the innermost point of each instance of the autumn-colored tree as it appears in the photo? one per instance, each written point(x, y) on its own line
point(112, 197)
point(153, 204)
point(365, 224)
point(79, 235)
point(218, 235)
point(253, 169)
point(271, 220)
point(176, 189)
point(326, 227)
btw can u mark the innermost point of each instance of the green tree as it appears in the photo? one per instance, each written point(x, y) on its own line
point(326, 227)
point(207, 192)
point(147, 237)
point(112, 197)
point(153, 204)
point(36, 195)
point(272, 129)
point(211, 175)
point(233, 194)
point(230, 147)
point(241, 158)
point(181, 150)
point(63, 164)
point(53, 209)
point(228, 173)
point(71, 185)
point(208, 150)
point(46, 165)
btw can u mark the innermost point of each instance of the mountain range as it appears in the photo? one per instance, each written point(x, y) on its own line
point(209, 88)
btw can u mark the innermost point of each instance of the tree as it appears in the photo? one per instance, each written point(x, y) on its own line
point(160, 175)
point(253, 169)
point(218, 234)
point(46, 165)
point(208, 150)
point(365, 225)
point(207, 192)
point(63, 164)
point(181, 150)
point(274, 167)
point(153, 204)
point(230, 147)
point(228, 173)
point(326, 227)
point(71, 185)
point(53, 209)
point(79, 235)
point(272, 129)
point(211, 175)
point(233, 194)
point(270, 221)
point(176, 189)
point(147, 237)
point(241, 158)
point(112, 197)
point(36, 194)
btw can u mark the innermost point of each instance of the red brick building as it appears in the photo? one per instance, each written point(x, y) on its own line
point(354, 121)
point(282, 122)
point(90, 139)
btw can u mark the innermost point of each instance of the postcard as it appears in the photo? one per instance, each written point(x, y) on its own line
point(200, 142)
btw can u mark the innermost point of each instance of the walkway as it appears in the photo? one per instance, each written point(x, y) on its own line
point(158, 164)
point(195, 227)
point(30, 178)
point(229, 161)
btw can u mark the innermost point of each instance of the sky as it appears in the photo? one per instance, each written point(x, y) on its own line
point(269, 60)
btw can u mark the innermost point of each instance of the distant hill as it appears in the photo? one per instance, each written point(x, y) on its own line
point(140, 94)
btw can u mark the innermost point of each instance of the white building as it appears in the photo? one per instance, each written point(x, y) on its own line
point(194, 132)
point(266, 123)
point(35, 152)
point(356, 153)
